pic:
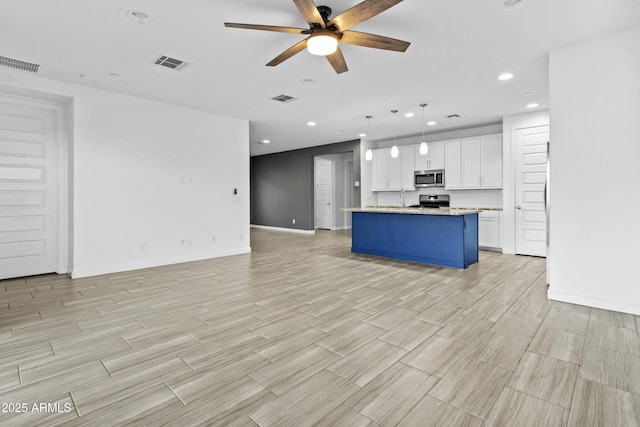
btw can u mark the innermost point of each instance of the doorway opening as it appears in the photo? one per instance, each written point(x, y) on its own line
point(333, 190)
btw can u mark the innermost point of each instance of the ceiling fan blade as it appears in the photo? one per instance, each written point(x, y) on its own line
point(309, 12)
point(374, 41)
point(296, 48)
point(361, 12)
point(337, 61)
point(267, 28)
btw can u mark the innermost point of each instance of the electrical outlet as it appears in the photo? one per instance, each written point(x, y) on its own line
point(293, 220)
point(182, 242)
point(214, 239)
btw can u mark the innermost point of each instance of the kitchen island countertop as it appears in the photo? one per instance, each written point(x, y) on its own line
point(415, 211)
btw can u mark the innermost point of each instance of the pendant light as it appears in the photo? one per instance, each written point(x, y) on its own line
point(369, 154)
point(424, 148)
point(394, 149)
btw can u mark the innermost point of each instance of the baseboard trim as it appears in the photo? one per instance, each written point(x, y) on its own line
point(288, 230)
point(110, 269)
point(594, 302)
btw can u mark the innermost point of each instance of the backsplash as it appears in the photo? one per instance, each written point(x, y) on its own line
point(459, 198)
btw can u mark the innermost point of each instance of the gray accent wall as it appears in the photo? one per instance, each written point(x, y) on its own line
point(282, 185)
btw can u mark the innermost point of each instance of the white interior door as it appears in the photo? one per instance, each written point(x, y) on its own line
point(324, 193)
point(28, 189)
point(530, 178)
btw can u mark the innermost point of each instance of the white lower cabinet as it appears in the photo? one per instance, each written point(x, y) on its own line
point(489, 230)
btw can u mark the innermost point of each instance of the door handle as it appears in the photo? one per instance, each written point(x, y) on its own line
point(518, 207)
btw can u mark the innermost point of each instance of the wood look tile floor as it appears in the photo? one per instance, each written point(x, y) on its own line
point(301, 332)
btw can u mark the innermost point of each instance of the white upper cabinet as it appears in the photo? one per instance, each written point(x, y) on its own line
point(480, 163)
point(380, 167)
point(471, 164)
point(395, 172)
point(492, 162)
point(387, 171)
point(408, 167)
point(468, 163)
point(434, 159)
point(452, 165)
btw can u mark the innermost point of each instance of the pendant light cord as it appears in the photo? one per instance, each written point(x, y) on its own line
point(368, 155)
point(423, 105)
point(394, 126)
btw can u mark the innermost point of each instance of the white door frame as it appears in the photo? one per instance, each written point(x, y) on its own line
point(62, 112)
point(531, 247)
point(331, 224)
point(510, 125)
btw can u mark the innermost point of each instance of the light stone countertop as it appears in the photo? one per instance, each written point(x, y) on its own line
point(414, 211)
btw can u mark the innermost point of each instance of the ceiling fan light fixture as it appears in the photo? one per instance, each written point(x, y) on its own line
point(322, 44)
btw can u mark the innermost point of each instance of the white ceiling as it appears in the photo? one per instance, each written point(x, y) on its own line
point(458, 49)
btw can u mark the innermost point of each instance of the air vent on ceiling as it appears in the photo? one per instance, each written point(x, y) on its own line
point(284, 98)
point(173, 63)
point(452, 116)
point(19, 65)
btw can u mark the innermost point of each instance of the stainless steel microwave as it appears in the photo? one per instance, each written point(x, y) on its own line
point(431, 178)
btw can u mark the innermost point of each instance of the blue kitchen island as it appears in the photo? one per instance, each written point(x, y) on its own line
point(447, 237)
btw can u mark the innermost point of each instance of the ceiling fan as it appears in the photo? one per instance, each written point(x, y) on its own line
point(325, 33)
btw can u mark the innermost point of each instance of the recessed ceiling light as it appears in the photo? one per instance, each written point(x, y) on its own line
point(512, 4)
point(528, 94)
point(139, 16)
point(86, 78)
point(532, 105)
point(311, 123)
point(307, 81)
point(431, 123)
point(362, 135)
point(265, 141)
point(505, 76)
point(409, 115)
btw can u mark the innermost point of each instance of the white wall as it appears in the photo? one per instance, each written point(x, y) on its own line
point(595, 177)
point(146, 176)
point(508, 219)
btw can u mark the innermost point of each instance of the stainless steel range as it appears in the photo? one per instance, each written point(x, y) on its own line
point(433, 201)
